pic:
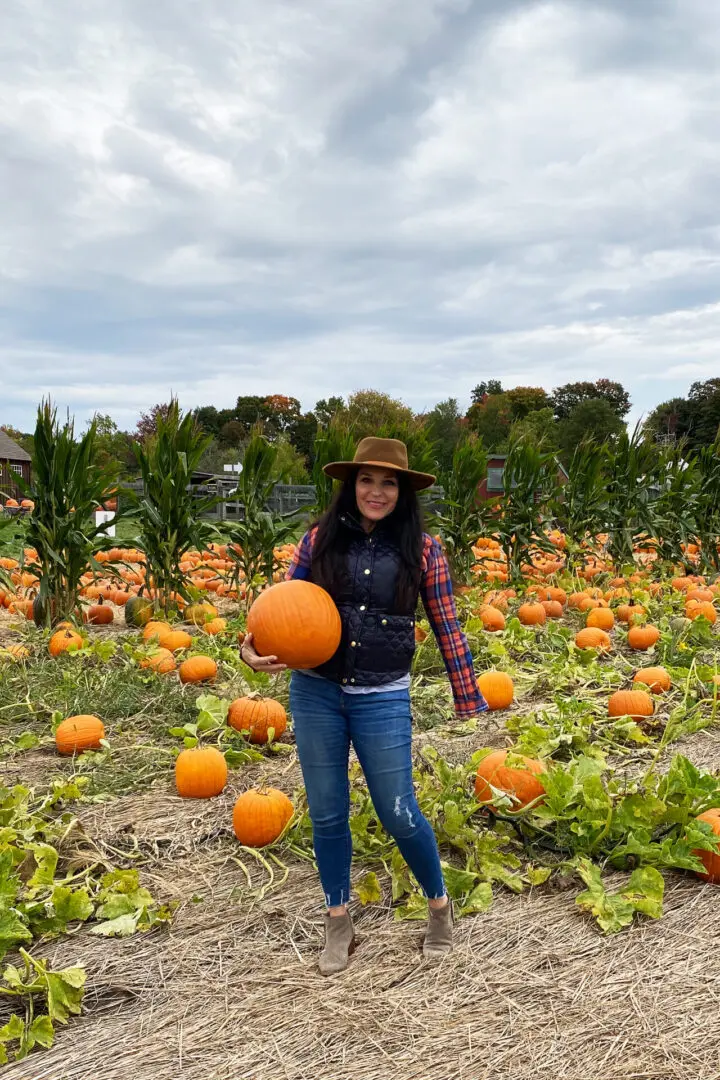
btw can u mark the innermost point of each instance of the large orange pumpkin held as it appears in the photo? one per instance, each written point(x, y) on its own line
point(297, 622)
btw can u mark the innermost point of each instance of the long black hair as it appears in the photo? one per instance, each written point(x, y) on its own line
point(403, 528)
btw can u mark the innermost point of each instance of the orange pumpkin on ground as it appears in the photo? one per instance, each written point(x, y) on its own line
point(197, 669)
point(156, 628)
point(257, 716)
point(175, 640)
point(63, 640)
point(697, 608)
point(711, 859)
point(602, 618)
point(100, 614)
point(497, 688)
point(14, 652)
point(519, 781)
point(260, 815)
point(643, 637)
point(161, 661)
point(296, 621)
point(635, 703)
point(532, 614)
point(593, 638)
point(629, 613)
point(200, 773)
point(79, 733)
point(657, 679)
point(553, 609)
point(214, 627)
point(492, 618)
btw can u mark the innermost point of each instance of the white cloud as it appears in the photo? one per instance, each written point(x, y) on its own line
point(313, 198)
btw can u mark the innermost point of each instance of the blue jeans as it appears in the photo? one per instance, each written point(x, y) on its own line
point(379, 726)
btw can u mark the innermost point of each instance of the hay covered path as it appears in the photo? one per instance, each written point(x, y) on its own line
point(230, 992)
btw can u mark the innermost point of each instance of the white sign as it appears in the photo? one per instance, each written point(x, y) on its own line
point(235, 468)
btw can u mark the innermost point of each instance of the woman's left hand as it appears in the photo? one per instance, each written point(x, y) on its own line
point(267, 664)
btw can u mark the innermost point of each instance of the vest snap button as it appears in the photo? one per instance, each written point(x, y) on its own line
point(354, 644)
point(344, 682)
point(384, 622)
point(367, 571)
point(362, 607)
point(352, 680)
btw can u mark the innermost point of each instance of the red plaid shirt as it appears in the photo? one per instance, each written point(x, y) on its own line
point(437, 597)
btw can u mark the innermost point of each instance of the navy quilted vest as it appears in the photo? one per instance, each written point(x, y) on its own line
point(376, 647)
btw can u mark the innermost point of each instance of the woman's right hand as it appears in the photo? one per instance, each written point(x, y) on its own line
point(267, 664)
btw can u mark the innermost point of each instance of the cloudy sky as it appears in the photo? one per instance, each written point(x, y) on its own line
point(220, 197)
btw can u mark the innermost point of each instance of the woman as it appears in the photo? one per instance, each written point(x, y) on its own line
point(370, 553)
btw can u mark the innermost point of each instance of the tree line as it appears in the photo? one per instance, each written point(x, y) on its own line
point(555, 421)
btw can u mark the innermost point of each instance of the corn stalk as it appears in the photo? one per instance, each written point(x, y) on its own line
point(67, 488)
point(168, 513)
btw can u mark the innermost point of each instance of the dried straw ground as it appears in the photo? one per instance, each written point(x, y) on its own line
point(230, 992)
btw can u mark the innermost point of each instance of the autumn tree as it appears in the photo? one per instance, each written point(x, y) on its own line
point(526, 399)
point(593, 418)
point(490, 387)
point(444, 425)
point(370, 410)
point(566, 398)
point(327, 408)
point(148, 422)
point(491, 419)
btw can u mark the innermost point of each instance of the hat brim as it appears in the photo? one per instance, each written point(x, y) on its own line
point(340, 470)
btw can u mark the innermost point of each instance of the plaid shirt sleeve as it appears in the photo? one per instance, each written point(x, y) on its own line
point(437, 597)
point(302, 559)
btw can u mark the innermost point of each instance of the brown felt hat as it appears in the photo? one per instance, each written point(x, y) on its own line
point(384, 454)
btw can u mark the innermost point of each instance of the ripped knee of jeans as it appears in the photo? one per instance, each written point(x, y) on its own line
point(405, 817)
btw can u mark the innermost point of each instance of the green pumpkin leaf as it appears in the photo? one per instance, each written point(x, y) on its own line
point(368, 889)
point(477, 901)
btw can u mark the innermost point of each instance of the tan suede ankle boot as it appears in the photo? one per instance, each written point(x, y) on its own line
point(439, 935)
point(339, 944)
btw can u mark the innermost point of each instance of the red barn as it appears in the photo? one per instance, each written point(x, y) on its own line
point(494, 484)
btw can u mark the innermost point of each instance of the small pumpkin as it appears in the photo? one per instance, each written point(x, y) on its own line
point(629, 613)
point(79, 733)
point(553, 609)
point(602, 618)
point(710, 859)
point(197, 669)
point(520, 780)
point(199, 614)
point(695, 609)
point(174, 640)
point(497, 688)
point(642, 638)
point(257, 716)
point(532, 614)
point(156, 628)
point(100, 614)
point(492, 618)
point(138, 611)
point(160, 661)
point(64, 640)
point(200, 773)
point(260, 815)
point(296, 621)
point(592, 637)
point(657, 679)
point(214, 627)
point(679, 623)
point(14, 652)
point(634, 703)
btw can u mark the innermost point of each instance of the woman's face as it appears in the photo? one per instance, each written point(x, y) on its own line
point(376, 492)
